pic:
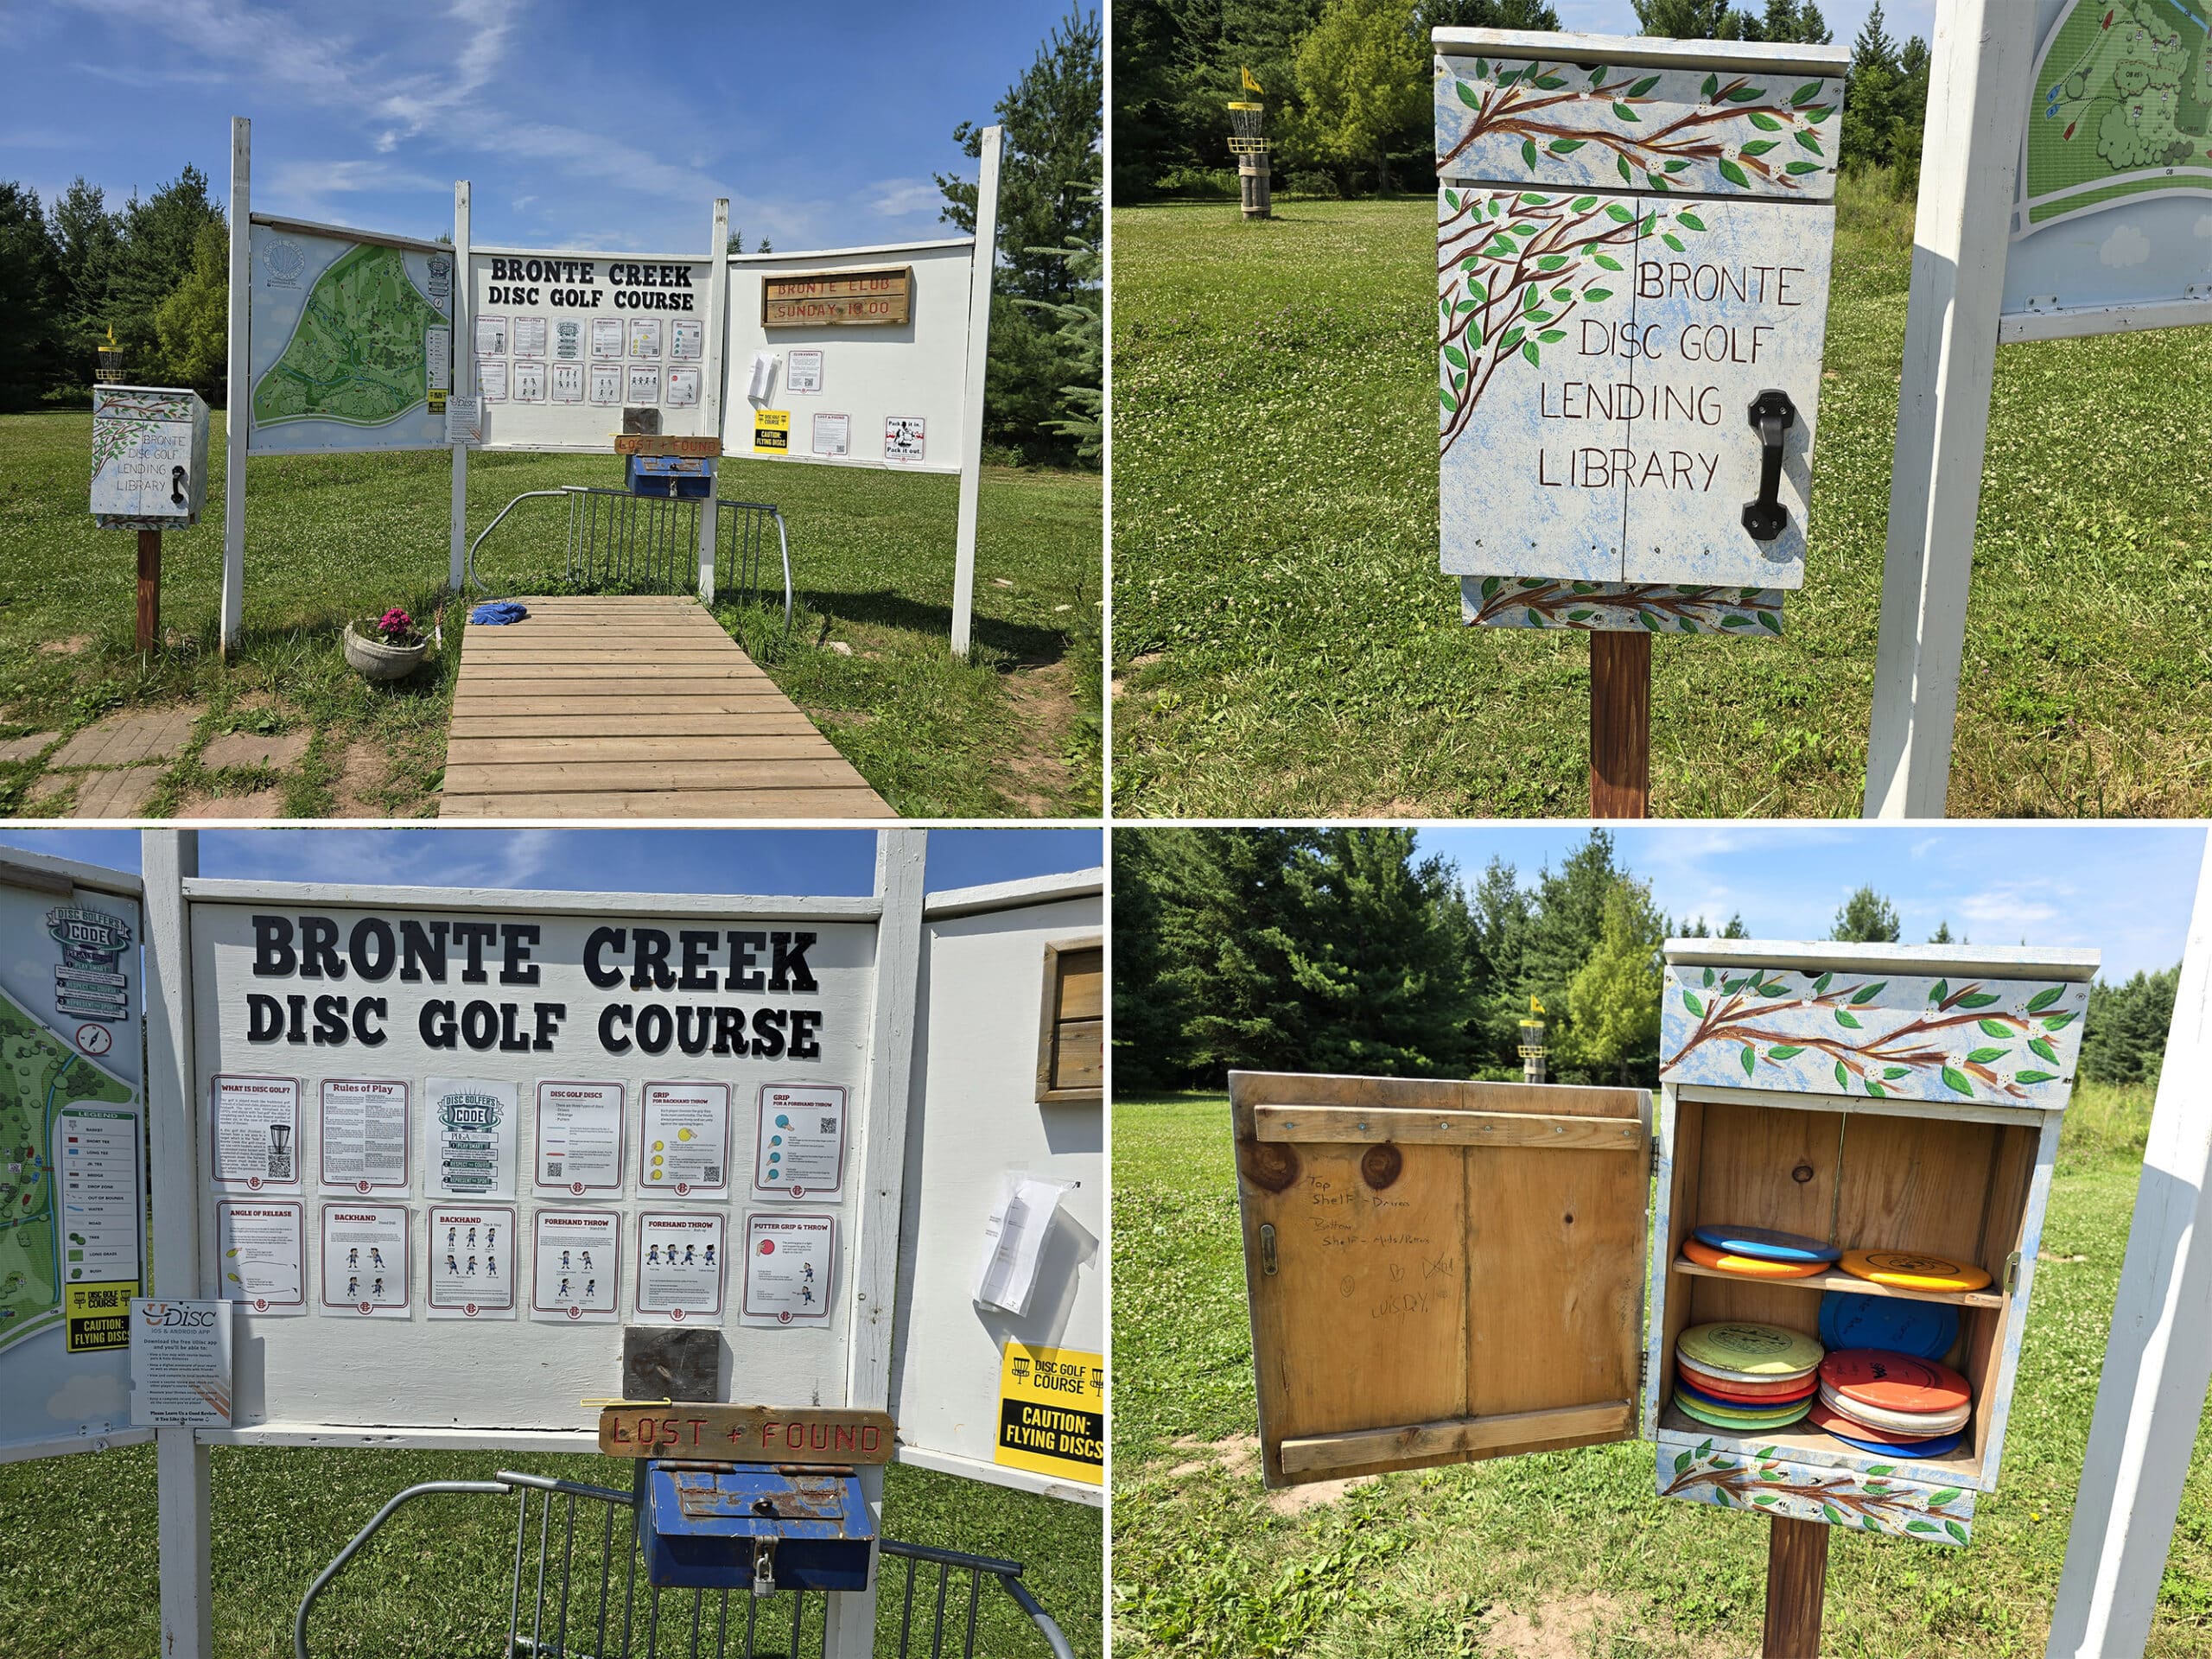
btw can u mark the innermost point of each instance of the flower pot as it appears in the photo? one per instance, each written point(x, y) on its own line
point(373, 659)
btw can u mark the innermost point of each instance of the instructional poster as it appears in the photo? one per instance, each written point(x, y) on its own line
point(362, 1145)
point(491, 379)
point(802, 370)
point(679, 1266)
point(645, 336)
point(833, 435)
point(579, 1138)
point(791, 1267)
point(685, 1148)
point(606, 383)
point(96, 1156)
point(470, 1275)
point(905, 437)
point(607, 337)
point(254, 1131)
point(687, 339)
point(471, 1139)
point(644, 386)
point(682, 388)
point(262, 1247)
point(491, 336)
point(800, 1151)
point(365, 1260)
point(529, 382)
point(180, 1364)
point(529, 336)
point(567, 382)
point(577, 1267)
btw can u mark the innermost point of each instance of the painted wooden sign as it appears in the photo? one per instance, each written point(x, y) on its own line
point(746, 1434)
point(882, 294)
point(150, 457)
point(1633, 245)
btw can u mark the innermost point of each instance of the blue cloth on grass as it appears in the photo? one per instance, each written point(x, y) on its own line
point(499, 612)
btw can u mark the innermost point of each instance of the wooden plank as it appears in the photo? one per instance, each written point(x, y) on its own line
point(1452, 1437)
point(736, 1434)
point(855, 803)
point(502, 728)
point(1374, 1125)
point(1849, 1283)
point(676, 778)
point(1079, 1059)
point(1083, 984)
point(1620, 725)
point(784, 744)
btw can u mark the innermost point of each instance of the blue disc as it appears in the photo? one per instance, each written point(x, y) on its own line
point(1941, 1446)
point(1924, 1330)
point(1765, 1245)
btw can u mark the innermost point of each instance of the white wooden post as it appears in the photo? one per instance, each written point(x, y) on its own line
point(464, 385)
point(237, 384)
point(2159, 1358)
point(971, 402)
point(710, 393)
point(1977, 98)
point(901, 855)
point(183, 1502)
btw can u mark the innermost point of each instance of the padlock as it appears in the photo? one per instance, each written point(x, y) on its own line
point(763, 1566)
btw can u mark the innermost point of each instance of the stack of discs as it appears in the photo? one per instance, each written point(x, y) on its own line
point(1746, 1378)
point(1900, 1404)
point(1758, 1252)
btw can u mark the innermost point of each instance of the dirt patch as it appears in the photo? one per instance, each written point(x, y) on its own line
point(1044, 709)
point(263, 803)
point(254, 749)
point(1236, 1456)
point(359, 789)
point(1136, 666)
point(69, 647)
point(1560, 1629)
point(1296, 1500)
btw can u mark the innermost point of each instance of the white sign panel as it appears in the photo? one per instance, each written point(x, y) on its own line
point(364, 1136)
point(578, 1266)
point(801, 1144)
point(351, 340)
point(579, 1138)
point(180, 1364)
point(471, 1137)
point(261, 1249)
point(684, 1150)
point(364, 1260)
point(253, 1131)
point(679, 1266)
point(790, 1265)
point(470, 1273)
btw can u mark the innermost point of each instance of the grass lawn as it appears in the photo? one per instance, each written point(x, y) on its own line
point(1015, 732)
point(1566, 1552)
point(1284, 646)
point(78, 1556)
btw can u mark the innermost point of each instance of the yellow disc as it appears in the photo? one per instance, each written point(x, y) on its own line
point(684, 1135)
point(1906, 1270)
point(1742, 1349)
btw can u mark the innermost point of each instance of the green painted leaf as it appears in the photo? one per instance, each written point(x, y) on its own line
point(1532, 198)
point(1643, 87)
point(1529, 151)
point(1681, 1461)
point(1507, 77)
point(1842, 1077)
point(1551, 262)
point(1891, 1073)
point(1845, 1017)
point(1448, 400)
point(1531, 299)
point(1534, 620)
point(1490, 586)
point(1511, 338)
point(1625, 113)
point(1533, 316)
point(1747, 94)
point(1944, 1497)
point(1734, 174)
point(1650, 622)
point(1940, 989)
point(1606, 262)
point(1711, 85)
point(1731, 620)
point(1551, 83)
point(1995, 1028)
point(2034, 1077)
point(1955, 1530)
point(1457, 358)
point(1807, 141)
point(1529, 350)
point(1770, 621)
point(1688, 218)
point(1656, 181)
point(1876, 1089)
point(1777, 988)
point(1956, 1080)
point(1562, 294)
point(1984, 1056)
point(1597, 73)
point(1705, 1447)
point(1552, 336)
point(1594, 295)
point(1676, 165)
point(1765, 122)
point(1583, 204)
point(1478, 292)
point(2041, 1049)
point(1621, 161)
point(1673, 242)
point(1870, 1524)
point(1916, 1526)
point(1467, 95)
point(2057, 1022)
point(1979, 1000)
point(1565, 146)
point(1802, 167)
point(1763, 1498)
point(2044, 998)
point(1821, 985)
point(1708, 978)
point(1759, 146)
point(1482, 68)
point(1785, 1051)
point(1805, 94)
point(1583, 615)
point(1749, 1057)
point(1614, 210)
point(1818, 113)
point(1867, 994)
point(1836, 1517)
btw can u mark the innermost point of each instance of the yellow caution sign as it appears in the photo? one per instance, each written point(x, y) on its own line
point(99, 1316)
point(771, 431)
point(1053, 1412)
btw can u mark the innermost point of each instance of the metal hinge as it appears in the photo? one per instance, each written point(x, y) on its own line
point(1643, 1368)
point(2012, 1273)
point(1268, 1247)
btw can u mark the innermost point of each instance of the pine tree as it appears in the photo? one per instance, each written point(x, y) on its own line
point(1865, 918)
point(31, 299)
point(1614, 999)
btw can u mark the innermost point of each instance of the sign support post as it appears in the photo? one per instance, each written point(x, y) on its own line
point(2158, 1359)
point(971, 403)
point(1984, 52)
point(150, 590)
point(464, 387)
point(1620, 724)
point(237, 398)
point(710, 392)
point(1796, 1585)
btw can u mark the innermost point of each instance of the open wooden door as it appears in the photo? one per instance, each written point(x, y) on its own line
point(1439, 1271)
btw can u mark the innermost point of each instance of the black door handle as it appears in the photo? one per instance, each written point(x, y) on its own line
point(1773, 414)
point(176, 485)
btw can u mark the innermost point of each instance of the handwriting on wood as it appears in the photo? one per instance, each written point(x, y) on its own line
point(796, 299)
point(747, 1434)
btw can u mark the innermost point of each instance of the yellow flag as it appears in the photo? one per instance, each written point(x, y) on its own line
point(1250, 85)
point(1535, 1007)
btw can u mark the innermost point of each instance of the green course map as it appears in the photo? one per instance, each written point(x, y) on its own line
point(40, 1075)
point(359, 354)
point(2123, 105)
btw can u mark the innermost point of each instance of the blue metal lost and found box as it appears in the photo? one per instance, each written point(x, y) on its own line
point(705, 1527)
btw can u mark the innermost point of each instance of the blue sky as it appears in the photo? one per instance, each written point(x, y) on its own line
point(1902, 18)
point(2123, 889)
point(833, 862)
point(578, 125)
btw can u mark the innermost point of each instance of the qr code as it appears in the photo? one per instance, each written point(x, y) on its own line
point(280, 1163)
point(713, 1177)
point(553, 1166)
point(829, 1126)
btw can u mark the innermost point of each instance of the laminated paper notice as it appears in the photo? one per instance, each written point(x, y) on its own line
point(472, 1138)
point(579, 1137)
point(687, 339)
point(262, 1247)
point(471, 1272)
point(683, 1151)
point(802, 370)
point(791, 1264)
point(607, 337)
point(253, 1128)
point(361, 1147)
point(679, 1266)
point(800, 1151)
point(365, 1260)
point(491, 336)
point(1014, 1238)
point(682, 388)
point(905, 437)
point(529, 382)
point(529, 336)
point(567, 382)
point(606, 383)
point(833, 435)
point(644, 385)
point(645, 336)
point(180, 1364)
point(491, 379)
point(577, 1267)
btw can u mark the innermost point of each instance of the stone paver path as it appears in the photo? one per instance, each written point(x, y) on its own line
point(135, 734)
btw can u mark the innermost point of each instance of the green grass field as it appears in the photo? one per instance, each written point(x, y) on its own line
point(1015, 732)
point(1284, 644)
point(1565, 1554)
point(78, 1556)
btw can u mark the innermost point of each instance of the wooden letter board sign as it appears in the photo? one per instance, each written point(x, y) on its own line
point(882, 294)
point(803, 1434)
point(1441, 1272)
point(1633, 242)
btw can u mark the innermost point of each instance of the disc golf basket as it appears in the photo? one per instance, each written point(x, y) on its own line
point(1248, 142)
point(577, 1592)
point(645, 544)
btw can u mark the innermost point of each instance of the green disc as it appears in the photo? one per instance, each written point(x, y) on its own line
point(1712, 1418)
point(1749, 1349)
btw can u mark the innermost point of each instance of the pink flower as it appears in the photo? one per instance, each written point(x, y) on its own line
point(394, 623)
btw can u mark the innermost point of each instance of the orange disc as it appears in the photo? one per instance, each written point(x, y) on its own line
point(1751, 1267)
point(1773, 1393)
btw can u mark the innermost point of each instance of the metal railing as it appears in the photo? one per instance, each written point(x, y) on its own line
point(552, 1613)
point(650, 541)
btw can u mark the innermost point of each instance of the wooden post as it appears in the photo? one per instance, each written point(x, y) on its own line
point(1620, 724)
point(150, 590)
point(1796, 1584)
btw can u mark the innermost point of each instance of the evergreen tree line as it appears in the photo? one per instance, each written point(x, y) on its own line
point(1343, 950)
point(156, 269)
point(1347, 85)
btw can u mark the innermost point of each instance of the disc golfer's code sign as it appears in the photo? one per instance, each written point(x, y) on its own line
point(1053, 1412)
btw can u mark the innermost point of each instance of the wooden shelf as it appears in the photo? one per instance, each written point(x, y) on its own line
point(1836, 1280)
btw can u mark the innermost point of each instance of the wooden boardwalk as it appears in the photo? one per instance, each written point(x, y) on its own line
point(634, 708)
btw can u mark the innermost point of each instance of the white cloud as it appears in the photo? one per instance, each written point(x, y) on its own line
point(2125, 246)
point(901, 198)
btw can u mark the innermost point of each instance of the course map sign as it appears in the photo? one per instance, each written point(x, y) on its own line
point(352, 340)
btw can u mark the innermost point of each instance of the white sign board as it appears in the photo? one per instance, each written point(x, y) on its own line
point(72, 1168)
point(573, 1077)
point(350, 339)
point(150, 457)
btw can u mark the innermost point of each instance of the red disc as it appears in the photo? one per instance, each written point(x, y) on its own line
point(1895, 1382)
point(1826, 1416)
point(1730, 1387)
